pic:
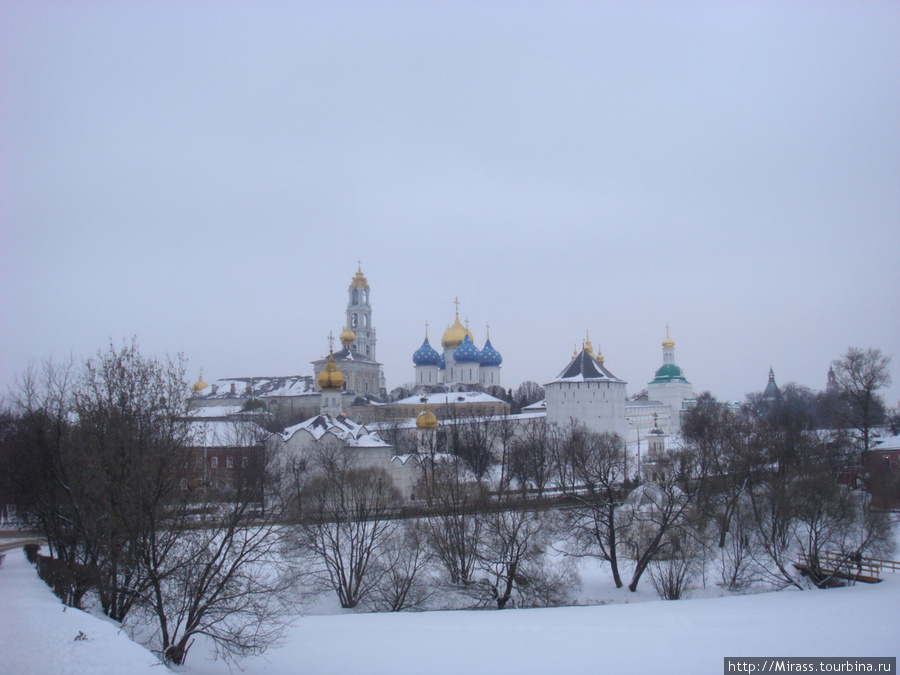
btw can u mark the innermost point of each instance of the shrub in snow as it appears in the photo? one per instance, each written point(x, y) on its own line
point(69, 581)
point(31, 553)
point(676, 565)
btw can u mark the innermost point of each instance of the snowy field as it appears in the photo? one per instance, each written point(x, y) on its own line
point(631, 633)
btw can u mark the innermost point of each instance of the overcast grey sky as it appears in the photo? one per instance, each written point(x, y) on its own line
point(206, 175)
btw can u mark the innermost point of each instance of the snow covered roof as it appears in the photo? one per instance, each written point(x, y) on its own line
point(343, 428)
point(585, 367)
point(410, 422)
point(348, 355)
point(213, 411)
point(449, 398)
point(887, 443)
point(225, 433)
point(644, 404)
point(260, 387)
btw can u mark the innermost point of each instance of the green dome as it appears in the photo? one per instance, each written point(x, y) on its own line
point(669, 372)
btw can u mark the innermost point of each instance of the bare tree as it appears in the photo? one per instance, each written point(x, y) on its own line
point(131, 429)
point(453, 529)
point(718, 437)
point(404, 564)
point(527, 393)
point(514, 555)
point(472, 439)
point(653, 511)
point(836, 521)
point(859, 375)
point(120, 474)
point(596, 463)
point(535, 453)
point(216, 573)
point(41, 466)
point(346, 517)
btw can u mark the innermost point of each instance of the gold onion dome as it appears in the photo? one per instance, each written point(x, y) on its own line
point(426, 419)
point(331, 378)
point(347, 335)
point(199, 385)
point(454, 335)
point(668, 343)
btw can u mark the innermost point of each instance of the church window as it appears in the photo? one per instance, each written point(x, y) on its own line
point(355, 297)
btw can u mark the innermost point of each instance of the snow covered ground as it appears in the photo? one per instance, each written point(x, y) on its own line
point(38, 634)
point(687, 636)
point(632, 633)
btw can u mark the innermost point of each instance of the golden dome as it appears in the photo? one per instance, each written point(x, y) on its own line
point(668, 343)
point(199, 385)
point(359, 279)
point(599, 356)
point(454, 335)
point(426, 419)
point(347, 336)
point(331, 378)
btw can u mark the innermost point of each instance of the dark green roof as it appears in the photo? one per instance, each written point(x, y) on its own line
point(669, 372)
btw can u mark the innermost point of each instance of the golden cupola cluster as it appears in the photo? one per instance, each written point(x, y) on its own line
point(589, 348)
point(331, 378)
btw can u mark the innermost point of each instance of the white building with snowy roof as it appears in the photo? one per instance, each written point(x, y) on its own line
point(586, 391)
point(366, 448)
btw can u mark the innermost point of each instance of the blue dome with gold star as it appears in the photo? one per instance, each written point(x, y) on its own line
point(467, 352)
point(490, 356)
point(426, 355)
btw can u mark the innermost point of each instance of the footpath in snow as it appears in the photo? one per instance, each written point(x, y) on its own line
point(38, 634)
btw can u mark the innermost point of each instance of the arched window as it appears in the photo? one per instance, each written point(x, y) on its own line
point(355, 297)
